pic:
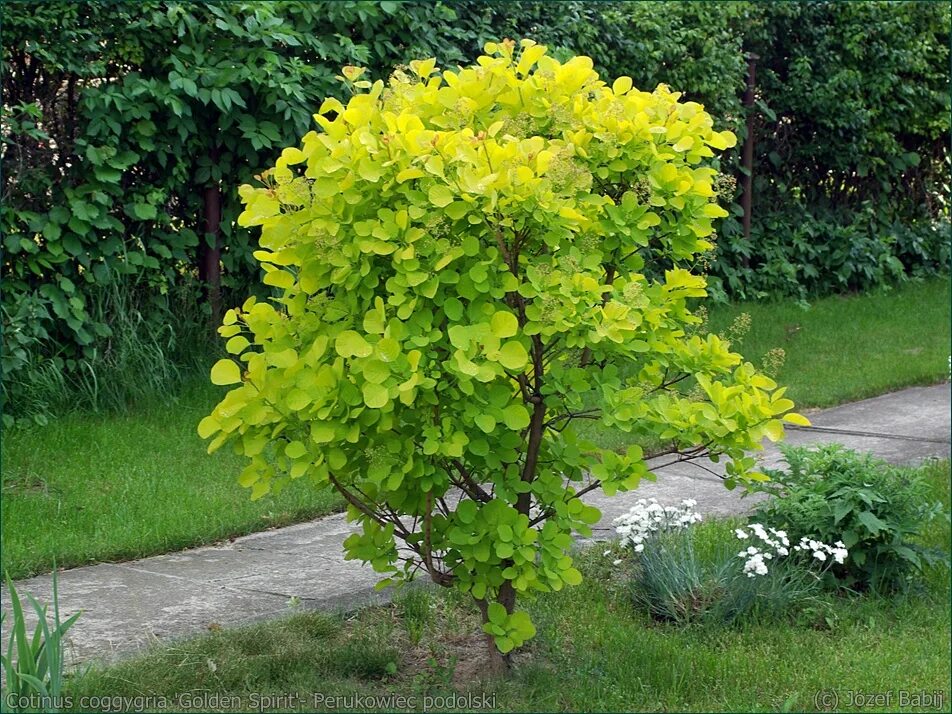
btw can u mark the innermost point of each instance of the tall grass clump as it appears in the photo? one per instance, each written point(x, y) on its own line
point(155, 344)
point(695, 575)
point(684, 571)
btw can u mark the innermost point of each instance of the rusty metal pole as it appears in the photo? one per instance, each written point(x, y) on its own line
point(209, 254)
point(748, 156)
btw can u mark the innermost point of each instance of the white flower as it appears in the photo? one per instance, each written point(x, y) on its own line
point(607, 552)
point(616, 562)
point(648, 517)
point(775, 544)
point(755, 566)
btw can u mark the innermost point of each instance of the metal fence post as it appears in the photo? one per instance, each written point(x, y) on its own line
point(748, 156)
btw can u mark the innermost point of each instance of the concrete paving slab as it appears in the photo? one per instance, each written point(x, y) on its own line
point(292, 539)
point(919, 413)
point(130, 605)
point(125, 609)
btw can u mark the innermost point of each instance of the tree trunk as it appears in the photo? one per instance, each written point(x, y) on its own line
point(498, 664)
point(209, 253)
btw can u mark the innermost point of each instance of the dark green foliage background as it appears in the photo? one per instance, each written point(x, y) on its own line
point(117, 116)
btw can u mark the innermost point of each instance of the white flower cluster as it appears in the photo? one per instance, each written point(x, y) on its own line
point(822, 550)
point(648, 516)
point(775, 544)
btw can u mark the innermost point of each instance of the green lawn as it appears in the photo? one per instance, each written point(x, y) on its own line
point(842, 349)
point(99, 488)
point(594, 651)
point(90, 488)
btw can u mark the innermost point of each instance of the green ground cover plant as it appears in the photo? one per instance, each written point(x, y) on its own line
point(878, 511)
point(60, 482)
point(594, 650)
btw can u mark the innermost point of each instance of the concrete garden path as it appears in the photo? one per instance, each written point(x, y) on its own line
point(127, 606)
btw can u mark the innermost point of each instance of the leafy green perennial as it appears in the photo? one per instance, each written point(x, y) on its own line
point(461, 257)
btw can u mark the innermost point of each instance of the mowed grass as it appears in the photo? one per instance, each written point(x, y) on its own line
point(595, 651)
point(89, 488)
point(838, 349)
point(845, 348)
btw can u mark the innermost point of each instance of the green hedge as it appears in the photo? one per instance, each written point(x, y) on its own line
point(119, 118)
point(851, 164)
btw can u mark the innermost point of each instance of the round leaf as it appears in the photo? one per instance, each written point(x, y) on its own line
point(351, 344)
point(226, 372)
point(486, 422)
point(513, 356)
point(516, 416)
point(375, 396)
point(504, 324)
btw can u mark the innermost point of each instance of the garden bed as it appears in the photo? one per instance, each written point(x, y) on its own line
point(595, 650)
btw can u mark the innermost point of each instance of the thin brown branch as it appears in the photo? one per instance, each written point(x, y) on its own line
point(568, 416)
point(480, 493)
point(356, 502)
point(578, 494)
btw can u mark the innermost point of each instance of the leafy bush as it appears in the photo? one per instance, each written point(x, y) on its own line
point(878, 511)
point(802, 252)
point(470, 262)
point(124, 122)
point(851, 166)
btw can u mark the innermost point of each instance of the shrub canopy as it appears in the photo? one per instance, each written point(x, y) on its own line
point(469, 262)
